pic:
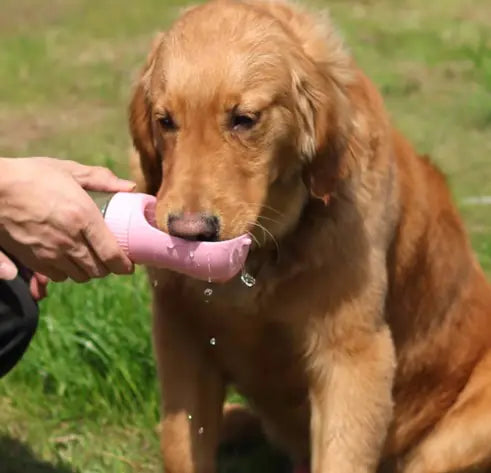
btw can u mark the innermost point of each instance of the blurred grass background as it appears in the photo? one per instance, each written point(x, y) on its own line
point(84, 399)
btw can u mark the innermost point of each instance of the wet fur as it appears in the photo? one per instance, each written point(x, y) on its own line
point(365, 343)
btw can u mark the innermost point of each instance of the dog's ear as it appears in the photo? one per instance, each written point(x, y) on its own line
point(322, 107)
point(141, 123)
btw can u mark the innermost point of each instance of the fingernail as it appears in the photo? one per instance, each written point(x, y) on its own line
point(130, 185)
point(8, 271)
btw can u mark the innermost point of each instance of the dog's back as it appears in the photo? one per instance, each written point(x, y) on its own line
point(438, 304)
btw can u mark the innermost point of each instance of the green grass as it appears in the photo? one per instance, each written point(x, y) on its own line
point(85, 399)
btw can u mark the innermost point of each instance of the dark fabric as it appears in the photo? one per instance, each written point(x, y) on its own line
point(19, 317)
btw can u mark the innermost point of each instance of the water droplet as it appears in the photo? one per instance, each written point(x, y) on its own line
point(155, 283)
point(170, 246)
point(191, 255)
point(201, 430)
point(209, 268)
point(247, 279)
point(213, 341)
point(190, 417)
point(208, 292)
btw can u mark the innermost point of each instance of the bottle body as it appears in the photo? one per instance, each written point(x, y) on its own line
point(101, 199)
point(131, 219)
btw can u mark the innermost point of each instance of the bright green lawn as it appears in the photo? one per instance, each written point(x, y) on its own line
point(85, 398)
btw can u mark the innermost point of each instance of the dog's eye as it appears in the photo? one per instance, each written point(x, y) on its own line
point(244, 121)
point(167, 122)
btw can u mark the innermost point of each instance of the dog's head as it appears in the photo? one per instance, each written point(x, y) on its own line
point(239, 117)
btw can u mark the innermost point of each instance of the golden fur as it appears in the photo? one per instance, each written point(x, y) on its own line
point(365, 342)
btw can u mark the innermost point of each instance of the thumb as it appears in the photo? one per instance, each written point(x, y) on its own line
point(8, 270)
point(98, 178)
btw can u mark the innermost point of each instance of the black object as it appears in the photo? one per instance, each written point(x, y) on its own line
point(19, 315)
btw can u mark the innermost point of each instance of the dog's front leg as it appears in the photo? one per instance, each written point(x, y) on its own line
point(192, 396)
point(352, 366)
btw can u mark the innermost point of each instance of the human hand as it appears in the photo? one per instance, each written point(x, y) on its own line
point(50, 224)
point(37, 283)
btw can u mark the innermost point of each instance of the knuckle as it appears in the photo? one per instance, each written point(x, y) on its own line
point(71, 162)
point(46, 254)
point(102, 172)
point(101, 272)
point(114, 261)
point(76, 217)
point(74, 166)
point(83, 257)
point(68, 166)
point(93, 271)
point(78, 252)
point(64, 243)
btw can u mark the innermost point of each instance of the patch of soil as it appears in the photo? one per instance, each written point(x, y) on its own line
point(18, 129)
point(23, 15)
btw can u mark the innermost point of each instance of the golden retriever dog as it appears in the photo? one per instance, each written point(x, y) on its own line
point(364, 343)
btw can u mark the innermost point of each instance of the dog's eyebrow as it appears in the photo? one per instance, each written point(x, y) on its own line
point(162, 106)
point(257, 99)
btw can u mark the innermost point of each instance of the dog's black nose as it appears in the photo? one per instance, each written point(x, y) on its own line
point(197, 227)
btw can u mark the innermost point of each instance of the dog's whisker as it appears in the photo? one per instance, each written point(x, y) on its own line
point(267, 207)
point(266, 231)
point(262, 228)
point(269, 219)
point(255, 239)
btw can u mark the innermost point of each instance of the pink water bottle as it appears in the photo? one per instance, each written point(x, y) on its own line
point(131, 218)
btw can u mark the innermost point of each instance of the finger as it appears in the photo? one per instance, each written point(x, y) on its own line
point(8, 270)
point(42, 287)
point(38, 287)
point(73, 270)
point(98, 178)
point(44, 280)
point(34, 289)
point(88, 261)
point(106, 247)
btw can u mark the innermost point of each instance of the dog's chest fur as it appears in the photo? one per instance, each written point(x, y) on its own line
point(250, 331)
point(254, 335)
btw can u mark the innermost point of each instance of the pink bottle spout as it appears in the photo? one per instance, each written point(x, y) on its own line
point(130, 216)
